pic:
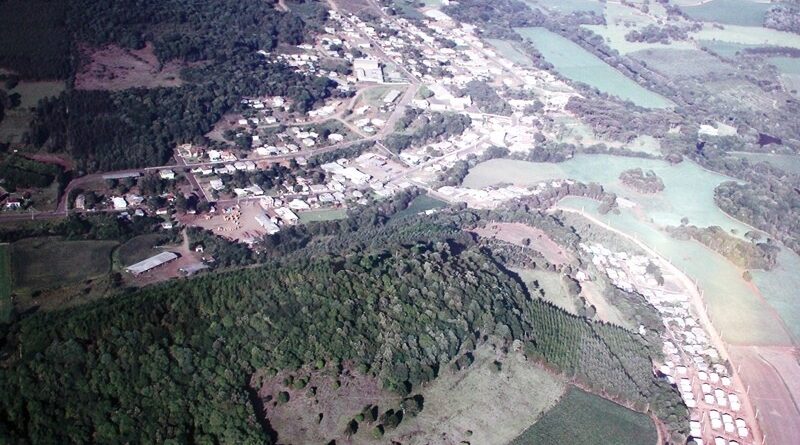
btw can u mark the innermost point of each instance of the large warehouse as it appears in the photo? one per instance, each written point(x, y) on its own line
point(151, 263)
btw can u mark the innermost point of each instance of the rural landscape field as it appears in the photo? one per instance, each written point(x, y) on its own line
point(522, 222)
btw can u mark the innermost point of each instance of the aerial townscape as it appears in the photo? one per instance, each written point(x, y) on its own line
point(406, 222)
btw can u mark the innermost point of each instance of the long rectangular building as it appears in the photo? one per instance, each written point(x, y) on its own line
point(151, 263)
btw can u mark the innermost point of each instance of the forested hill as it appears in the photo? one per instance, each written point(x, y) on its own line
point(171, 363)
point(216, 40)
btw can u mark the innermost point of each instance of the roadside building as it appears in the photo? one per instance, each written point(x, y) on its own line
point(151, 263)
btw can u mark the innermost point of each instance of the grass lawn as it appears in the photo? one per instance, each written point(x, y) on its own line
point(5, 283)
point(420, 204)
point(139, 248)
point(322, 215)
point(584, 418)
point(45, 263)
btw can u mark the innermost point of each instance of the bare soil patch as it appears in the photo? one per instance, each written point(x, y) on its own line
point(515, 233)
point(115, 68)
point(772, 375)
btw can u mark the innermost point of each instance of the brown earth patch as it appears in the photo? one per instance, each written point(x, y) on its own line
point(114, 68)
point(515, 233)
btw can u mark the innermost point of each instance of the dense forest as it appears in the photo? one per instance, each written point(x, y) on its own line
point(642, 181)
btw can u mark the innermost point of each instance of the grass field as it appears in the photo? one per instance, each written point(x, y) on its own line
point(748, 35)
point(550, 283)
point(507, 49)
point(420, 204)
point(45, 263)
point(5, 283)
point(582, 418)
point(730, 12)
point(138, 248)
point(322, 215)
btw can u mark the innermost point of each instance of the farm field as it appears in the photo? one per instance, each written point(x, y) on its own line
point(676, 63)
point(577, 64)
point(5, 283)
point(730, 12)
point(583, 418)
point(44, 263)
point(138, 249)
point(322, 215)
point(748, 35)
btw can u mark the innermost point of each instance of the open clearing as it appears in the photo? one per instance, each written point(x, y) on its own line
point(582, 418)
point(515, 233)
point(5, 283)
point(421, 203)
point(550, 283)
point(139, 248)
point(115, 68)
point(44, 263)
point(496, 405)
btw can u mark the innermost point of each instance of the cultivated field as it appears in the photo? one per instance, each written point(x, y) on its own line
point(581, 418)
point(771, 375)
point(115, 68)
point(44, 263)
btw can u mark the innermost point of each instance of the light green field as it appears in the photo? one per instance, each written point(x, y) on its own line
point(550, 283)
point(322, 215)
point(748, 35)
point(374, 96)
point(5, 283)
point(507, 49)
point(582, 418)
point(676, 63)
point(615, 38)
point(420, 204)
point(46, 263)
point(577, 64)
point(781, 287)
point(731, 12)
point(786, 65)
point(689, 189)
